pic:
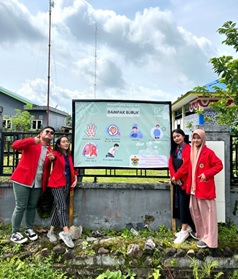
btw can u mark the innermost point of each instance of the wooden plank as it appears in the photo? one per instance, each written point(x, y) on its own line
point(173, 220)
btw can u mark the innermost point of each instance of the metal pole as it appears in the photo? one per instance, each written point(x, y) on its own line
point(95, 65)
point(48, 87)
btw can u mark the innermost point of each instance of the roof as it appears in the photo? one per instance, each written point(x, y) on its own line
point(17, 97)
point(191, 95)
point(209, 86)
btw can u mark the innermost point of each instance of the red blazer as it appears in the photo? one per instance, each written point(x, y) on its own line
point(209, 164)
point(182, 172)
point(26, 169)
point(57, 177)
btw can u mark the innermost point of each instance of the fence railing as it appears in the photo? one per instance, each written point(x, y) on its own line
point(9, 159)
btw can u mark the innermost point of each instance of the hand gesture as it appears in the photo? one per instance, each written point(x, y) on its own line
point(37, 139)
point(51, 156)
point(91, 130)
point(202, 177)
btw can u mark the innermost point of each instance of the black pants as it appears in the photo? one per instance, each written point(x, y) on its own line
point(181, 206)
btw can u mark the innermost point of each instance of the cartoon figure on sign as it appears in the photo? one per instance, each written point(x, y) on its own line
point(91, 130)
point(135, 161)
point(112, 150)
point(135, 133)
point(156, 132)
point(89, 150)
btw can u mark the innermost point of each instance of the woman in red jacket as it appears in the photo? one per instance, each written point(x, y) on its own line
point(204, 166)
point(62, 178)
point(178, 166)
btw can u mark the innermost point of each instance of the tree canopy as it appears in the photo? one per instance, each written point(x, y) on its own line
point(21, 121)
point(226, 67)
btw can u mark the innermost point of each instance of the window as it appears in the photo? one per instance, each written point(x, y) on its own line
point(36, 124)
point(7, 123)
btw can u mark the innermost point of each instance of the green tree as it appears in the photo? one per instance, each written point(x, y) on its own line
point(226, 67)
point(21, 121)
point(69, 120)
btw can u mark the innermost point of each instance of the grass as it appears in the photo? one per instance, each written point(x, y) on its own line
point(124, 176)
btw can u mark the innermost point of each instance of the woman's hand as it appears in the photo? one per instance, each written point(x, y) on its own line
point(51, 156)
point(75, 182)
point(202, 177)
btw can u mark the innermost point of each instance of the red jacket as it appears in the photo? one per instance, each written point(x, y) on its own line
point(58, 178)
point(209, 164)
point(26, 169)
point(182, 172)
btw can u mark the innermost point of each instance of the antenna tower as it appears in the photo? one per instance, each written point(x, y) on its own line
point(95, 65)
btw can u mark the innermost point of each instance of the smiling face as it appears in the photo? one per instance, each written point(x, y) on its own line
point(178, 139)
point(64, 144)
point(196, 140)
point(47, 134)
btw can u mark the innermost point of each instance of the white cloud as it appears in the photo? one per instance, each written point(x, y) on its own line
point(146, 53)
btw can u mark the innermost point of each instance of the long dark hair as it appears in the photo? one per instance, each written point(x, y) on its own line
point(57, 143)
point(173, 144)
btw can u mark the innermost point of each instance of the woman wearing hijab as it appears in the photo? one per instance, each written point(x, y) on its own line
point(204, 166)
point(178, 166)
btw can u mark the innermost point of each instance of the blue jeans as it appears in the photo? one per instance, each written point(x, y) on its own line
point(26, 199)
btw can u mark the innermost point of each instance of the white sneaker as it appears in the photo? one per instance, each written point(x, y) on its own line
point(189, 230)
point(67, 238)
point(51, 236)
point(181, 237)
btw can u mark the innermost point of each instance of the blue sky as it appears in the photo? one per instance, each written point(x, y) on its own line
point(145, 49)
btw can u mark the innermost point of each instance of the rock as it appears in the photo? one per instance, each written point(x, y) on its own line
point(227, 252)
point(134, 251)
point(76, 232)
point(106, 240)
point(200, 254)
point(68, 255)
point(149, 246)
point(191, 253)
point(97, 234)
point(45, 252)
point(58, 249)
point(134, 232)
point(170, 252)
point(92, 239)
point(216, 253)
point(102, 250)
point(180, 253)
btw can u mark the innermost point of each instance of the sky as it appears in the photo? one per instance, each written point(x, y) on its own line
point(152, 50)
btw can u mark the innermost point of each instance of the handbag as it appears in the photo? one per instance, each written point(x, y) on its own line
point(45, 204)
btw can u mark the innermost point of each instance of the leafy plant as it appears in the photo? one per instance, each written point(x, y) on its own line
point(116, 275)
point(156, 274)
point(200, 272)
point(15, 268)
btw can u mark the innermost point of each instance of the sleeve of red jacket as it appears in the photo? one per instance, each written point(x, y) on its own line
point(76, 171)
point(216, 165)
point(171, 167)
point(183, 170)
point(23, 143)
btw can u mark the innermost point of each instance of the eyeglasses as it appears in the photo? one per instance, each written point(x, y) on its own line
point(49, 132)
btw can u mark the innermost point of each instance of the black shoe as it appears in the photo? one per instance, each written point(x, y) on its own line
point(201, 244)
point(31, 234)
point(18, 238)
point(193, 235)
